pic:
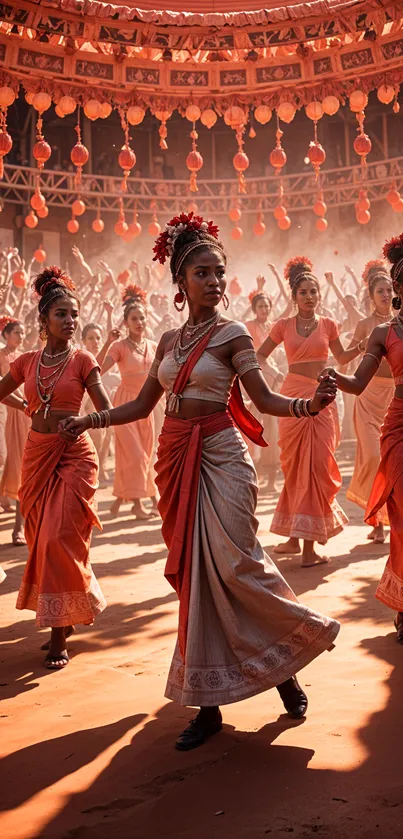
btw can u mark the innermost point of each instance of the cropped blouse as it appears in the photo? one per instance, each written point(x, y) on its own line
point(70, 389)
point(313, 348)
point(210, 379)
point(394, 355)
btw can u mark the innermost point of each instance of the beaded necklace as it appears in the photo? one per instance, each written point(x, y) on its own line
point(180, 352)
point(45, 391)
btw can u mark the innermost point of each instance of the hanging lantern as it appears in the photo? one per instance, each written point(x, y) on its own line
point(316, 152)
point(393, 196)
point(362, 146)
point(40, 255)
point(128, 236)
point(106, 110)
point(241, 163)
point(41, 152)
point(98, 225)
point(67, 105)
point(363, 203)
point(252, 133)
point(286, 111)
point(278, 157)
point(79, 156)
point(135, 227)
point(73, 225)
point(7, 96)
point(386, 93)
point(154, 228)
point(358, 101)
point(41, 101)
point(363, 216)
point(92, 109)
point(43, 212)
point(135, 114)
point(31, 220)
point(127, 158)
point(234, 116)
point(38, 201)
point(259, 228)
point(235, 214)
point(78, 207)
point(193, 113)
point(236, 233)
point(59, 113)
point(194, 160)
point(314, 110)
point(320, 207)
point(20, 279)
point(208, 118)
point(284, 223)
point(279, 212)
point(121, 227)
point(263, 114)
point(321, 224)
point(6, 142)
point(163, 116)
point(330, 105)
point(29, 96)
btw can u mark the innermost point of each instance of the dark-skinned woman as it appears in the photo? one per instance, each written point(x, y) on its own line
point(386, 341)
point(59, 478)
point(241, 628)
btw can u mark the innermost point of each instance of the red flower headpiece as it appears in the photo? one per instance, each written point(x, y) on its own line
point(132, 292)
point(374, 264)
point(259, 292)
point(5, 320)
point(395, 242)
point(164, 245)
point(54, 275)
point(303, 261)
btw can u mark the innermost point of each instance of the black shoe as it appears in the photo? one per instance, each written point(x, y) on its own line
point(294, 699)
point(199, 730)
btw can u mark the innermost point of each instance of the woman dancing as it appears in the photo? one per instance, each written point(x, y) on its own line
point(259, 329)
point(91, 337)
point(17, 425)
point(386, 341)
point(58, 479)
point(134, 443)
point(307, 508)
point(371, 406)
point(241, 628)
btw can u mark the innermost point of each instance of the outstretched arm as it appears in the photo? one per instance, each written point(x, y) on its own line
point(350, 308)
point(369, 365)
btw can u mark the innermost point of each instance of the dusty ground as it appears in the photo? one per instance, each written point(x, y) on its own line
point(88, 752)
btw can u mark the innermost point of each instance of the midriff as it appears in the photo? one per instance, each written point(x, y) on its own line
point(51, 423)
point(310, 369)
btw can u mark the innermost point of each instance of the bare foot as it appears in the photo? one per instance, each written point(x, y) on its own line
point(154, 506)
point(18, 538)
point(380, 535)
point(372, 534)
point(288, 548)
point(115, 507)
point(139, 511)
point(311, 559)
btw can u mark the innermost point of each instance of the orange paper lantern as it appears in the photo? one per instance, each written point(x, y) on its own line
point(41, 152)
point(284, 223)
point(98, 225)
point(154, 228)
point(362, 145)
point(135, 229)
point(363, 203)
point(279, 212)
point(236, 233)
point(40, 255)
point(43, 212)
point(319, 208)
point(259, 228)
point(321, 224)
point(6, 145)
point(363, 216)
point(208, 118)
point(19, 279)
point(235, 214)
point(78, 207)
point(73, 225)
point(278, 158)
point(38, 201)
point(194, 162)
point(392, 196)
point(79, 156)
point(31, 220)
point(121, 227)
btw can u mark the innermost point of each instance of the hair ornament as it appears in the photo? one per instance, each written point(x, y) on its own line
point(165, 244)
point(372, 268)
point(5, 320)
point(133, 292)
point(394, 242)
point(304, 266)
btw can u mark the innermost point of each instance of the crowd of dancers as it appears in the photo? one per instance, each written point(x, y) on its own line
point(186, 396)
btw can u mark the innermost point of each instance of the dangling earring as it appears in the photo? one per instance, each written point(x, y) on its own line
point(225, 301)
point(397, 302)
point(180, 300)
point(43, 332)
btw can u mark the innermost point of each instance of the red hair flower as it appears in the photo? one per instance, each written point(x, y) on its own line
point(164, 245)
point(377, 264)
point(394, 242)
point(133, 291)
point(302, 262)
point(5, 320)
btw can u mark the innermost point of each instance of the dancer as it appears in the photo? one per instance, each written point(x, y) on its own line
point(307, 508)
point(241, 628)
point(17, 426)
point(386, 341)
point(259, 329)
point(371, 406)
point(134, 444)
point(91, 337)
point(58, 480)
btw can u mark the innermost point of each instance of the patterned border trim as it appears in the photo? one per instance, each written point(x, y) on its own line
point(62, 608)
point(390, 589)
point(301, 526)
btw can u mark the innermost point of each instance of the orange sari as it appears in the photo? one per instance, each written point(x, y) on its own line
point(307, 507)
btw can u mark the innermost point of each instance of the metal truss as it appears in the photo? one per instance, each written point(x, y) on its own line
point(340, 188)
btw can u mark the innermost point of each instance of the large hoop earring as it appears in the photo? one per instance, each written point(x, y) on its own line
point(180, 300)
point(225, 301)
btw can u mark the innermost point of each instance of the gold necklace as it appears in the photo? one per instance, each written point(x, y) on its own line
point(141, 348)
point(307, 323)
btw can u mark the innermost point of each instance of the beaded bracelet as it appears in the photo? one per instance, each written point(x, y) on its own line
point(300, 408)
point(100, 420)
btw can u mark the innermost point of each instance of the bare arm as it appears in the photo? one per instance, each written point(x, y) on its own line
point(280, 283)
point(343, 356)
point(106, 362)
point(97, 392)
point(354, 277)
point(8, 386)
point(369, 365)
point(351, 310)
